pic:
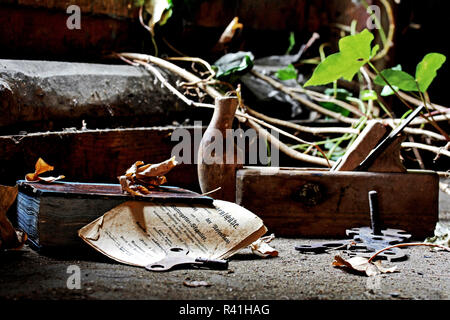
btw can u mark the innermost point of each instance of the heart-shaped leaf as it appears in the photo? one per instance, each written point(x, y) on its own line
point(355, 51)
point(400, 79)
point(426, 69)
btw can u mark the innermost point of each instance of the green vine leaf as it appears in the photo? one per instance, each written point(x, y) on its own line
point(287, 73)
point(374, 51)
point(425, 74)
point(291, 43)
point(233, 63)
point(355, 51)
point(426, 69)
point(397, 78)
point(387, 91)
point(340, 94)
point(367, 95)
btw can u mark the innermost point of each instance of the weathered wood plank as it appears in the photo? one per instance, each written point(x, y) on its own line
point(324, 204)
point(93, 155)
point(115, 8)
point(360, 149)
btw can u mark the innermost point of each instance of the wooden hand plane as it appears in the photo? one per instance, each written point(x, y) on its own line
point(323, 203)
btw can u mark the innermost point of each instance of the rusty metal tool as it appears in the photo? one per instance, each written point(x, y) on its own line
point(180, 256)
point(375, 238)
point(366, 240)
point(372, 243)
point(323, 247)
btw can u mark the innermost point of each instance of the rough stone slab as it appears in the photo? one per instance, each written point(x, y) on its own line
point(52, 95)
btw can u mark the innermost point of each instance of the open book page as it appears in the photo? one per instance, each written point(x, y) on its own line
point(140, 233)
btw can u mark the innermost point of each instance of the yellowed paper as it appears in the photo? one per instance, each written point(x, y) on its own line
point(140, 233)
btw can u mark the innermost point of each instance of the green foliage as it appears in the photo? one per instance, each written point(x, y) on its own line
point(387, 91)
point(367, 95)
point(338, 93)
point(402, 80)
point(335, 151)
point(233, 63)
point(291, 43)
point(341, 94)
point(355, 51)
point(287, 73)
point(426, 71)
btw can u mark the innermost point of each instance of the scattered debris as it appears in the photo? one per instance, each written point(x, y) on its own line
point(261, 248)
point(370, 267)
point(362, 265)
point(141, 177)
point(195, 283)
point(41, 167)
point(445, 187)
point(441, 235)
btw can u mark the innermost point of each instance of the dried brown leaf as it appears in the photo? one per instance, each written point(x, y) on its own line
point(140, 177)
point(362, 265)
point(158, 169)
point(383, 269)
point(41, 167)
point(133, 169)
point(261, 247)
point(230, 31)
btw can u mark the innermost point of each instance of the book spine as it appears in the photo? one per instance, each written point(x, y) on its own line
point(27, 217)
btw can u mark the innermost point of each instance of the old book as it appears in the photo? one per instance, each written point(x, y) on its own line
point(52, 214)
point(141, 233)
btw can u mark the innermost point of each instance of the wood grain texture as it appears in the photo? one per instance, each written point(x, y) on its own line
point(324, 204)
point(389, 160)
point(94, 155)
point(360, 149)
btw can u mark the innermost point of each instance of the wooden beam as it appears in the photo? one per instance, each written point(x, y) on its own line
point(93, 155)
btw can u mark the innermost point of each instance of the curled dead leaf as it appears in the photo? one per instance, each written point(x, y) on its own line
point(41, 167)
point(361, 265)
point(261, 247)
point(230, 31)
point(140, 177)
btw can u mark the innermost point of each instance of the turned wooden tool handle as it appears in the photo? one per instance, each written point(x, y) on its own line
point(216, 165)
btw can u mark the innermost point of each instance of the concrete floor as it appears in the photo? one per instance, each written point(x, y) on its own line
point(26, 274)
